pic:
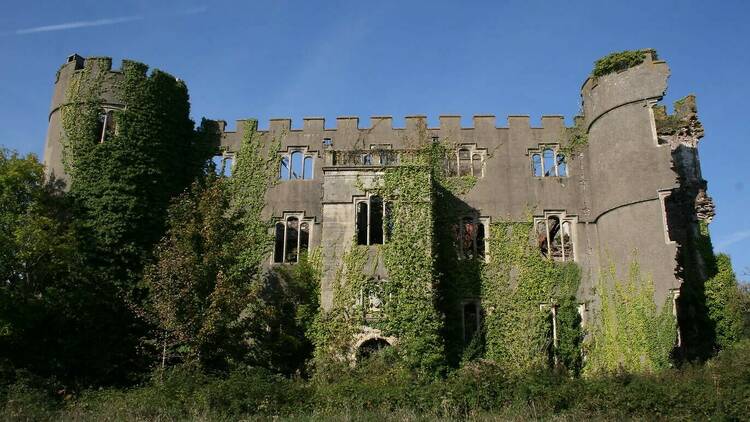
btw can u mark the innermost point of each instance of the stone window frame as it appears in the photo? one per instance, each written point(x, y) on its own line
point(476, 221)
point(539, 152)
point(229, 157)
point(302, 219)
point(473, 151)
point(107, 118)
point(477, 302)
point(552, 308)
point(287, 155)
point(367, 199)
point(564, 218)
point(663, 195)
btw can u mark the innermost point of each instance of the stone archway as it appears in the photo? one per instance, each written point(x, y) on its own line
point(371, 346)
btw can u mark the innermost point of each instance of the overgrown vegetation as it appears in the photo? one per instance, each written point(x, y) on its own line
point(382, 389)
point(629, 333)
point(622, 60)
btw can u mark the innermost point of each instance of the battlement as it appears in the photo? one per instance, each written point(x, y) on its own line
point(385, 123)
point(76, 63)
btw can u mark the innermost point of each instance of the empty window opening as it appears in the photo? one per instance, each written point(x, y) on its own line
point(297, 171)
point(464, 162)
point(278, 253)
point(470, 321)
point(367, 159)
point(548, 163)
point(307, 172)
point(376, 220)
point(373, 221)
point(223, 164)
point(297, 165)
point(480, 240)
point(555, 238)
point(562, 167)
point(371, 347)
point(292, 237)
point(327, 142)
point(304, 238)
point(553, 334)
point(470, 238)
point(105, 125)
point(284, 168)
point(536, 161)
point(362, 215)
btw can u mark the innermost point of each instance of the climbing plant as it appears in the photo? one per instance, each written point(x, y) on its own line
point(519, 285)
point(628, 332)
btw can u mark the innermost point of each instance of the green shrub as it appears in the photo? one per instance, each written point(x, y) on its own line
point(622, 60)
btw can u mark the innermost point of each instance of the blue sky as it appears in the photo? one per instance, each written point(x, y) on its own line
point(286, 58)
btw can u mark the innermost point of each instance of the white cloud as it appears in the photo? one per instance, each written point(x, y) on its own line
point(78, 24)
point(733, 238)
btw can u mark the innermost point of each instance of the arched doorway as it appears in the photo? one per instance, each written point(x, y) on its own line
point(370, 347)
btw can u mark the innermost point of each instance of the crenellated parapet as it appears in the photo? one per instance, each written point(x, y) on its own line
point(347, 133)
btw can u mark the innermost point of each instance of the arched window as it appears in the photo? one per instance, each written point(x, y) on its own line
point(562, 166)
point(304, 238)
point(549, 162)
point(297, 170)
point(464, 162)
point(554, 237)
point(476, 165)
point(307, 173)
point(362, 216)
point(278, 252)
point(284, 168)
point(536, 161)
point(541, 235)
point(292, 225)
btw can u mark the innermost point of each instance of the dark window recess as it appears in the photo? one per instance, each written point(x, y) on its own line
point(278, 253)
point(292, 225)
point(471, 321)
point(304, 238)
point(362, 223)
point(480, 240)
point(464, 162)
point(388, 221)
point(376, 220)
point(468, 237)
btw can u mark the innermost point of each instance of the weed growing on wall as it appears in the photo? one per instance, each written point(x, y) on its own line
point(519, 286)
point(617, 62)
point(629, 333)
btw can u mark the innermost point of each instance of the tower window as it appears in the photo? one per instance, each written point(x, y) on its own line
point(224, 164)
point(471, 320)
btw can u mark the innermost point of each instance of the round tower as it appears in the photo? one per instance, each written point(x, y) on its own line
point(53, 145)
point(630, 172)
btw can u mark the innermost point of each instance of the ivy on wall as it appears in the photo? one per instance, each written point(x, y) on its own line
point(628, 332)
point(518, 287)
point(622, 60)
